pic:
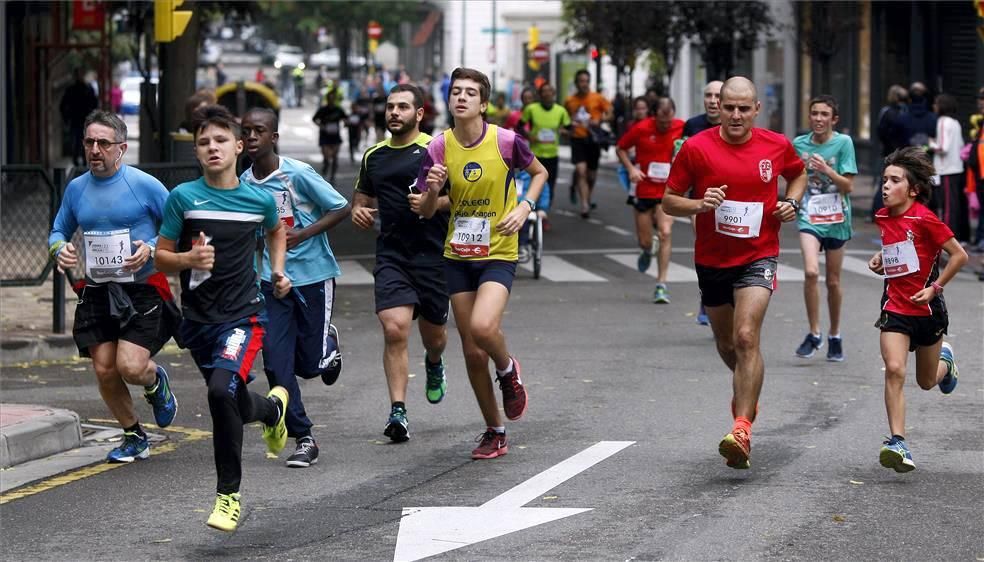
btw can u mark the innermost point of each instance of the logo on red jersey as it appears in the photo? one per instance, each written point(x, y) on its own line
point(765, 170)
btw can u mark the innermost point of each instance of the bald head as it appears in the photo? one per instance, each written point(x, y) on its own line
point(714, 86)
point(712, 101)
point(739, 87)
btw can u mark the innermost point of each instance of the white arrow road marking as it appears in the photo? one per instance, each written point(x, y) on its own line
point(428, 531)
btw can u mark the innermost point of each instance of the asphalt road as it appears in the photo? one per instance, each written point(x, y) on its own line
point(601, 364)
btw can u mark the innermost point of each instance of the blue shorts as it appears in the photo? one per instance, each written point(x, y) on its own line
point(297, 340)
point(231, 346)
point(398, 282)
point(465, 276)
point(826, 243)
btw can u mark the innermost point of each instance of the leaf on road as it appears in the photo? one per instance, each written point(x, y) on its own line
point(856, 482)
point(587, 380)
point(270, 455)
point(550, 497)
point(162, 541)
point(839, 518)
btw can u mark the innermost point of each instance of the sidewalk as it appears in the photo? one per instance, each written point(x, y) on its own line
point(32, 432)
point(26, 325)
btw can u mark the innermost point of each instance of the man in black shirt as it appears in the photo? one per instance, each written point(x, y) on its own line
point(712, 111)
point(409, 272)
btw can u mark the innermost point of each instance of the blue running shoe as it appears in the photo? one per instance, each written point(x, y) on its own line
point(134, 447)
point(895, 454)
point(334, 360)
point(644, 261)
point(949, 380)
point(702, 318)
point(397, 426)
point(809, 346)
point(835, 349)
point(162, 400)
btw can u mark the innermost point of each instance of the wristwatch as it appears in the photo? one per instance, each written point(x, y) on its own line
point(937, 287)
point(531, 203)
point(794, 203)
point(153, 251)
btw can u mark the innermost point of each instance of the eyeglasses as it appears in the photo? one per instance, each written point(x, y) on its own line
point(104, 144)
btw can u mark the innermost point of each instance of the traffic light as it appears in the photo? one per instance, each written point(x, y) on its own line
point(169, 22)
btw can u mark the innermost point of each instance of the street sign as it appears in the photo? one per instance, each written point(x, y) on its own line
point(429, 531)
point(497, 30)
point(88, 14)
point(169, 22)
point(541, 53)
point(374, 30)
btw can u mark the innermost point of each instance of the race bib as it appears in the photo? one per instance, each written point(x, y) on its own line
point(330, 128)
point(105, 254)
point(739, 219)
point(658, 171)
point(354, 119)
point(198, 276)
point(546, 136)
point(471, 237)
point(285, 208)
point(900, 259)
point(825, 209)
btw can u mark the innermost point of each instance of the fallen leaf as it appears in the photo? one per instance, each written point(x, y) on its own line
point(270, 455)
point(856, 482)
point(199, 510)
point(411, 375)
point(839, 518)
point(587, 380)
point(162, 541)
point(549, 497)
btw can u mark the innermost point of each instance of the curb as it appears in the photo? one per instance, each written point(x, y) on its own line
point(40, 433)
point(21, 349)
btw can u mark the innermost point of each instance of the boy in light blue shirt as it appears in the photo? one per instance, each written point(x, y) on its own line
point(824, 219)
point(300, 340)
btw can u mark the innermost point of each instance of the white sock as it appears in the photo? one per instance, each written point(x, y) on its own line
point(500, 429)
point(507, 370)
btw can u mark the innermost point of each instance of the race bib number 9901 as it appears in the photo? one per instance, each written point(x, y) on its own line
point(471, 237)
point(739, 219)
point(105, 254)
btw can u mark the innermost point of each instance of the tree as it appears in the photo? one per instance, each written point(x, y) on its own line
point(826, 28)
point(721, 30)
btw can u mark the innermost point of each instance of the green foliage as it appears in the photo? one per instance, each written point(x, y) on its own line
point(721, 30)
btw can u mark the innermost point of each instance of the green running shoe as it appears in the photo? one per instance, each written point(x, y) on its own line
point(437, 383)
point(276, 435)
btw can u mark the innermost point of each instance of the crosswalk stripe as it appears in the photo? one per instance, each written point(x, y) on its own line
point(554, 268)
point(790, 273)
point(618, 230)
point(859, 266)
point(677, 273)
point(354, 274)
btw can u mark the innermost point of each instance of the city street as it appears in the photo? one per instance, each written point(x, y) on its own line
point(637, 386)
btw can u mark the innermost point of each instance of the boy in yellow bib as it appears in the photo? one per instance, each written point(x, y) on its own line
point(481, 248)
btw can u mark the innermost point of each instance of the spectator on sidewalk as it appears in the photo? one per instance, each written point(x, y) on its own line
point(950, 202)
point(77, 102)
point(891, 136)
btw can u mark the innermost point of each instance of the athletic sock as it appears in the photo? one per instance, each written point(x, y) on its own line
point(152, 387)
point(135, 428)
point(429, 363)
point(898, 438)
point(834, 337)
point(278, 408)
point(507, 370)
point(501, 430)
point(744, 423)
point(399, 405)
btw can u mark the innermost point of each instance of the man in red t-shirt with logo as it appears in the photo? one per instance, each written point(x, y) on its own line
point(734, 169)
point(653, 140)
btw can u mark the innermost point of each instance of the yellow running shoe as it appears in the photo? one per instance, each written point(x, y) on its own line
point(225, 516)
point(276, 435)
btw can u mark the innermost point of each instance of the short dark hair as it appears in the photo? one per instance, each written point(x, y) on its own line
point(667, 100)
point(107, 119)
point(828, 100)
point(580, 72)
point(268, 113)
point(946, 105)
point(418, 97)
point(643, 99)
point(484, 87)
point(919, 170)
point(539, 90)
point(217, 115)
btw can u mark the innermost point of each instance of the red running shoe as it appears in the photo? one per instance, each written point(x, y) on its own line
point(513, 392)
point(736, 447)
point(491, 445)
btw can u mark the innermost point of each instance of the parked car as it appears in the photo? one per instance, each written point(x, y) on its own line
point(289, 56)
point(131, 94)
point(331, 59)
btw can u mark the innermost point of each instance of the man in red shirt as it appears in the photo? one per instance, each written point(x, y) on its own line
point(653, 140)
point(734, 169)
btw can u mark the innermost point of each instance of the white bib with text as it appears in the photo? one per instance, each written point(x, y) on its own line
point(546, 136)
point(740, 219)
point(658, 171)
point(471, 237)
point(900, 259)
point(105, 254)
point(825, 208)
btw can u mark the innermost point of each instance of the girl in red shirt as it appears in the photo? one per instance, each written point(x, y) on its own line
point(913, 316)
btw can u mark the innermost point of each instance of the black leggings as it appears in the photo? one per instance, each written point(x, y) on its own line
point(232, 406)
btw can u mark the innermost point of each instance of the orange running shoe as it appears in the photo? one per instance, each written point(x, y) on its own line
point(736, 447)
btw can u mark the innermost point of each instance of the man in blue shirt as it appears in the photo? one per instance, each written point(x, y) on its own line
point(122, 318)
point(300, 339)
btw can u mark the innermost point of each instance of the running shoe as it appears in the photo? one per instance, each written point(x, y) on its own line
point(134, 447)
point(949, 380)
point(397, 426)
point(276, 435)
point(736, 447)
point(225, 515)
point(161, 399)
point(895, 454)
point(524, 253)
point(305, 454)
point(702, 318)
point(661, 295)
point(490, 445)
point(513, 392)
point(809, 346)
point(835, 349)
point(330, 375)
point(644, 261)
point(437, 383)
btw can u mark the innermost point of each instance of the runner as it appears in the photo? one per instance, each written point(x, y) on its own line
point(914, 316)
point(409, 272)
point(734, 170)
point(587, 110)
point(548, 122)
point(824, 220)
point(209, 235)
point(300, 340)
point(653, 140)
point(710, 118)
point(481, 246)
point(119, 209)
point(329, 119)
point(640, 111)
